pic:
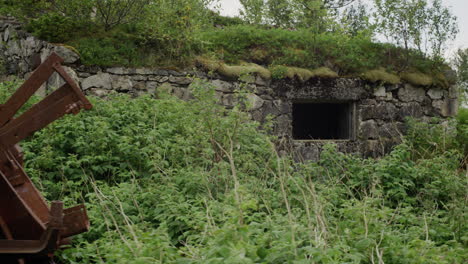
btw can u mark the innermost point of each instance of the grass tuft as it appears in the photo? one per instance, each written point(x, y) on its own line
point(417, 78)
point(324, 72)
point(380, 75)
point(237, 71)
point(208, 64)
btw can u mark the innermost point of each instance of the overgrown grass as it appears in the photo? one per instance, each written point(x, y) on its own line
point(302, 48)
point(169, 181)
point(240, 44)
point(174, 33)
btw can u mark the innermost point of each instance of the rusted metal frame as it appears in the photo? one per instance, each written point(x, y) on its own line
point(24, 212)
point(29, 87)
point(5, 229)
point(61, 71)
point(45, 246)
point(8, 235)
point(75, 221)
point(21, 220)
point(45, 112)
point(29, 194)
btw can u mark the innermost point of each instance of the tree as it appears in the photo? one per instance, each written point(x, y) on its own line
point(442, 26)
point(281, 13)
point(115, 12)
point(253, 11)
point(414, 24)
point(461, 66)
point(355, 20)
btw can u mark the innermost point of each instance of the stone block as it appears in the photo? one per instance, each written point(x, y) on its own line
point(392, 130)
point(140, 86)
point(383, 111)
point(163, 79)
point(180, 80)
point(444, 107)
point(6, 34)
point(368, 130)
point(410, 93)
point(435, 93)
point(144, 71)
point(100, 80)
point(139, 78)
point(121, 83)
point(254, 101)
point(67, 54)
point(282, 125)
point(380, 92)
point(117, 70)
point(99, 92)
point(410, 110)
point(223, 86)
point(306, 152)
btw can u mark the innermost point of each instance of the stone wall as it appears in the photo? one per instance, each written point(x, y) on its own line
point(378, 115)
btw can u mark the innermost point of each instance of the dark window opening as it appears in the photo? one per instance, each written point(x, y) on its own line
point(322, 121)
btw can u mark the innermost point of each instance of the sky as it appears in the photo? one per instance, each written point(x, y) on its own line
point(458, 7)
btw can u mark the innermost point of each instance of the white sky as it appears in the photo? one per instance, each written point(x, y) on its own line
point(458, 7)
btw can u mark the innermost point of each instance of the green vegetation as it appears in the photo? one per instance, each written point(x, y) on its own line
point(381, 75)
point(169, 181)
point(299, 34)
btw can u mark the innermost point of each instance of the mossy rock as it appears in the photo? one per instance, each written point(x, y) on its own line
point(381, 75)
point(69, 47)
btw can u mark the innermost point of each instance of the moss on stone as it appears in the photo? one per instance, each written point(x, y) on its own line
point(441, 80)
point(70, 48)
point(208, 64)
point(324, 72)
point(300, 73)
point(417, 78)
point(280, 72)
point(246, 69)
point(381, 75)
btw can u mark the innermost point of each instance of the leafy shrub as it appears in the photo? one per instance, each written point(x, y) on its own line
point(462, 130)
point(52, 27)
point(278, 71)
point(169, 181)
point(109, 50)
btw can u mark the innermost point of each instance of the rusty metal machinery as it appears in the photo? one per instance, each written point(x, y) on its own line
point(30, 230)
